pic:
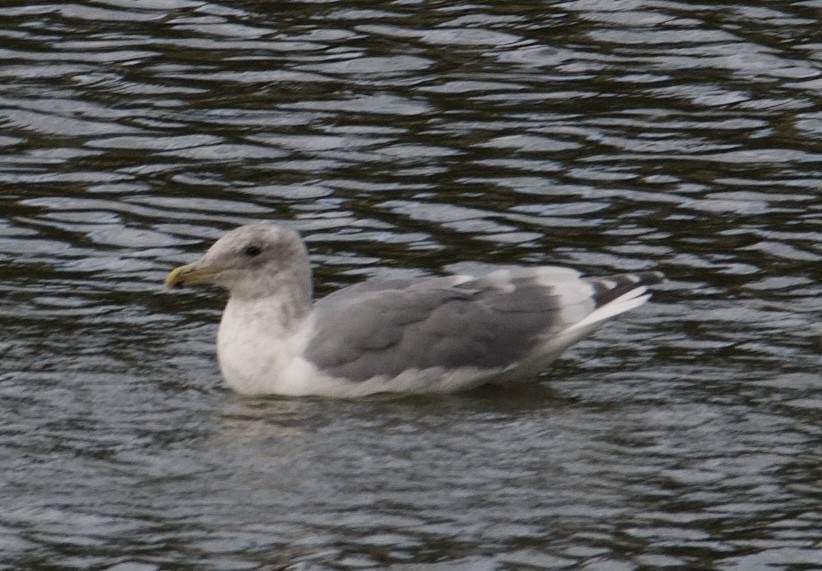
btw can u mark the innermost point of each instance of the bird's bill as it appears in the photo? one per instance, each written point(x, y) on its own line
point(190, 274)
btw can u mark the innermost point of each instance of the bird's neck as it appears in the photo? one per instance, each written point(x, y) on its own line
point(260, 338)
point(279, 311)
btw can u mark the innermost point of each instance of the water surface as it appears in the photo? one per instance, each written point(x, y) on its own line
point(417, 137)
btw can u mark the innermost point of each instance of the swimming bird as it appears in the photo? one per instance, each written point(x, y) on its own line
point(424, 335)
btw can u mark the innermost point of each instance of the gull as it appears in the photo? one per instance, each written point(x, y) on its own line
point(422, 335)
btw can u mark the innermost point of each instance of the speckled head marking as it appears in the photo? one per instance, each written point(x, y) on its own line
point(253, 261)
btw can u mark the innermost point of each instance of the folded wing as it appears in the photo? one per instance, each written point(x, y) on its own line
point(491, 323)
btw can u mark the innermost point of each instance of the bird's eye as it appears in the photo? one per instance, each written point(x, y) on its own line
point(252, 251)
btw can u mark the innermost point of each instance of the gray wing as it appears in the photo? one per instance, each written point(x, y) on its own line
point(491, 322)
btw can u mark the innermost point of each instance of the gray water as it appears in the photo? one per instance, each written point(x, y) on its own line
point(417, 137)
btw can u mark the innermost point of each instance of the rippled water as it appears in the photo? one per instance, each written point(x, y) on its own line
point(607, 136)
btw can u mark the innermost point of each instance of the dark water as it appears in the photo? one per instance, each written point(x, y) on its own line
point(608, 136)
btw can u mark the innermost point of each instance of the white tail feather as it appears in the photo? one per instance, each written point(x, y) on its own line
point(623, 303)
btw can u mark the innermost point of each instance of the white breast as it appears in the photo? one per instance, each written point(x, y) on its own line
point(258, 353)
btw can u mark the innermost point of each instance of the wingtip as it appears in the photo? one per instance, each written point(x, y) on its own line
point(651, 277)
point(608, 288)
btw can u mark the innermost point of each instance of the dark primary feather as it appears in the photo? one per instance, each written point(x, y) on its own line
point(608, 288)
